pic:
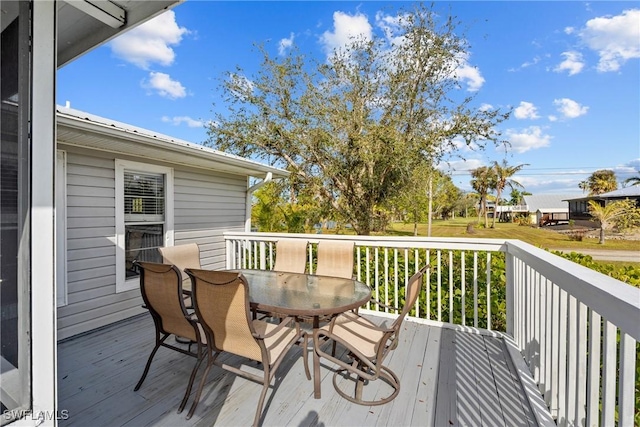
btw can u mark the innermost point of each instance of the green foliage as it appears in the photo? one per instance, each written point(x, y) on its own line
point(628, 274)
point(629, 219)
point(351, 129)
point(601, 181)
point(437, 302)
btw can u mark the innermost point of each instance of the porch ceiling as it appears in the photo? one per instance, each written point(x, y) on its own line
point(79, 32)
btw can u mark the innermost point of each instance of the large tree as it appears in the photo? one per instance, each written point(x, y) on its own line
point(601, 181)
point(483, 180)
point(503, 173)
point(351, 129)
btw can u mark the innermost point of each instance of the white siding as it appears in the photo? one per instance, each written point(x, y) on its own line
point(207, 203)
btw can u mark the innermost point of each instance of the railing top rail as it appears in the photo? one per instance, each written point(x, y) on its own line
point(452, 243)
point(614, 300)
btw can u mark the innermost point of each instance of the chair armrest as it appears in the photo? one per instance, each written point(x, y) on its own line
point(283, 324)
point(381, 304)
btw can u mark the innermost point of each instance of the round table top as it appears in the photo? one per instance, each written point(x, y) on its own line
point(304, 294)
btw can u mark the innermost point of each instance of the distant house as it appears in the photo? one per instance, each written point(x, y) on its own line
point(123, 192)
point(542, 209)
point(579, 206)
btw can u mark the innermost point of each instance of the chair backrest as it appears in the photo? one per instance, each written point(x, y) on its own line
point(291, 256)
point(414, 285)
point(182, 256)
point(221, 300)
point(335, 258)
point(161, 288)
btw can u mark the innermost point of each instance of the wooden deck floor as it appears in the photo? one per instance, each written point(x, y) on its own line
point(448, 378)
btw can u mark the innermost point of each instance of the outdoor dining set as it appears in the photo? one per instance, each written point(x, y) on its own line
point(261, 315)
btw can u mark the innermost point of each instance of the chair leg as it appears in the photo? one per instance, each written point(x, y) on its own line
point(306, 356)
point(265, 387)
point(148, 365)
point(191, 379)
point(196, 399)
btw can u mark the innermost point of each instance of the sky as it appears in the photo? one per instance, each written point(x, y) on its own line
point(569, 72)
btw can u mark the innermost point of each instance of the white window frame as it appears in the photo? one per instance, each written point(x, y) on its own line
point(123, 284)
point(61, 228)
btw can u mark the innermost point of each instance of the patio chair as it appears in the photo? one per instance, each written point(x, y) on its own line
point(221, 300)
point(335, 258)
point(161, 288)
point(182, 256)
point(367, 345)
point(291, 256)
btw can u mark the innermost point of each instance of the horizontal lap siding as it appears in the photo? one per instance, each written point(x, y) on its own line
point(206, 204)
point(91, 252)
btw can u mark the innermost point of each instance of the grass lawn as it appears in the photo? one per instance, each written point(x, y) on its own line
point(541, 237)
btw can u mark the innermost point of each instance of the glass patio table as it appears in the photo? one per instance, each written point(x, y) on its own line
point(304, 295)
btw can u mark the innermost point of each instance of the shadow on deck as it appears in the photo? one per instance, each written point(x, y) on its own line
point(448, 377)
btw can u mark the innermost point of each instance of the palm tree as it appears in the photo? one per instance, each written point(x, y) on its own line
point(503, 174)
point(483, 180)
point(634, 180)
point(605, 214)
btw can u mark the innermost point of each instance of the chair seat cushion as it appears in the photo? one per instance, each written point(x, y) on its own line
point(278, 342)
point(359, 332)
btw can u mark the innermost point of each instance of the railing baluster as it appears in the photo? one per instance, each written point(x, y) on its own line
point(416, 261)
point(439, 296)
point(451, 287)
point(555, 349)
point(609, 374)
point(395, 277)
point(627, 384)
point(376, 277)
point(428, 285)
point(581, 384)
point(572, 360)
point(463, 289)
point(562, 361)
point(386, 279)
point(593, 382)
point(489, 290)
point(475, 289)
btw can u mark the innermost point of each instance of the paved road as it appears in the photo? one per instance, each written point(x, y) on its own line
point(606, 255)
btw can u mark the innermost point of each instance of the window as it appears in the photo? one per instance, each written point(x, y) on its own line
point(144, 217)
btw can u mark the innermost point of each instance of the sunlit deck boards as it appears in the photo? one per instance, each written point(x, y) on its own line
point(447, 378)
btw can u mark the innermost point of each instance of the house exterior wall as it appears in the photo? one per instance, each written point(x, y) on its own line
point(206, 203)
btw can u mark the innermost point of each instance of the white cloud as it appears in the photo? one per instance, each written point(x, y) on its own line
point(616, 39)
point(178, 120)
point(345, 29)
point(573, 63)
point(526, 110)
point(162, 84)
point(460, 165)
point(470, 75)
point(150, 42)
point(285, 44)
point(527, 139)
point(569, 108)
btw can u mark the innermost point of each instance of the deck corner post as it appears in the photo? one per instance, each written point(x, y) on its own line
point(510, 290)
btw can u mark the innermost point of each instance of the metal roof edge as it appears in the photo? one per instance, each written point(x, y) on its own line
point(76, 119)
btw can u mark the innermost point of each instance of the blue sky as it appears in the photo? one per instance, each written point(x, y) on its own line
point(569, 70)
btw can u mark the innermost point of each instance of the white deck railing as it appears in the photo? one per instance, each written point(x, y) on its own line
point(576, 329)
